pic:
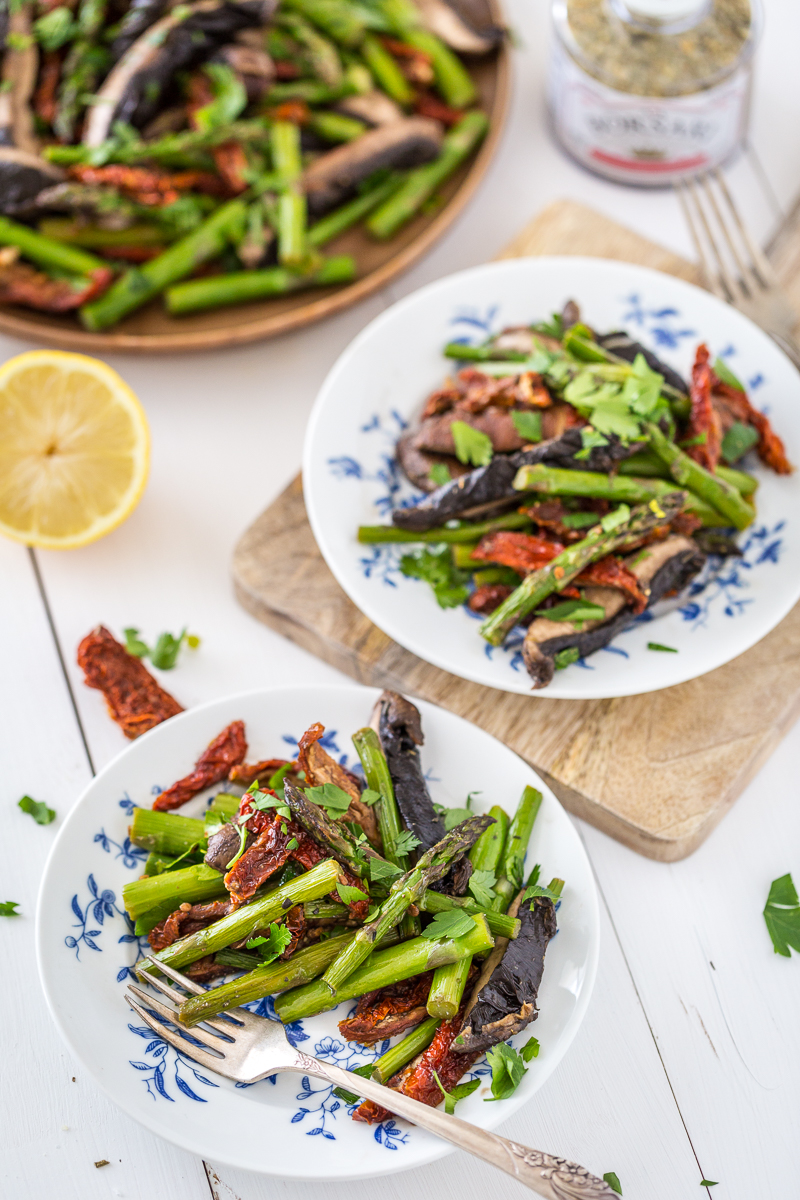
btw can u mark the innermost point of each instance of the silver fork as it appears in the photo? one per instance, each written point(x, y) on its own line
point(246, 1048)
point(735, 267)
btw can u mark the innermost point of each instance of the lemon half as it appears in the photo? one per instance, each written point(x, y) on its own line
point(74, 449)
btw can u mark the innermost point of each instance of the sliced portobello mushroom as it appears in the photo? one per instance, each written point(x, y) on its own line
point(660, 568)
point(224, 845)
point(334, 176)
point(375, 108)
point(23, 176)
point(490, 487)
point(417, 464)
point(505, 1003)
point(399, 727)
point(453, 25)
point(137, 20)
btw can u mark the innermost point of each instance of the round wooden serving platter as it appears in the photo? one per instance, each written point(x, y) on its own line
point(152, 330)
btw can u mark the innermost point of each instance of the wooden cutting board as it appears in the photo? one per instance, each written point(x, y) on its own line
point(656, 772)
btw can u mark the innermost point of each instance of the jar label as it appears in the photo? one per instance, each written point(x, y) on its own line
point(644, 139)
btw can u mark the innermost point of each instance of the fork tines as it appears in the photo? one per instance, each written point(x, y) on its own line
point(734, 265)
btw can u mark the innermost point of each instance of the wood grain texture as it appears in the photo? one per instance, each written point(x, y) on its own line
point(152, 330)
point(658, 771)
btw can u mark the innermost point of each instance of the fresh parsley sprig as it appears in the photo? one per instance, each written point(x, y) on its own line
point(37, 809)
point(272, 946)
point(8, 908)
point(459, 1092)
point(451, 924)
point(782, 916)
point(164, 654)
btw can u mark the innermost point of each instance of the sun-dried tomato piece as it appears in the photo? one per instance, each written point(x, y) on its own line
point(320, 768)
point(268, 853)
point(389, 1011)
point(213, 765)
point(295, 922)
point(135, 701)
point(612, 572)
point(428, 105)
point(770, 448)
point(296, 111)
point(185, 920)
point(247, 773)
point(703, 419)
point(205, 969)
point(521, 551)
point(417, 1079)
point(284, 69)
point(148, 186)
point(23, 284)
point(685, 523)
point(489, 596)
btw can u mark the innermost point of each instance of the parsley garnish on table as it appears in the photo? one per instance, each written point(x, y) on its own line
point(37, 809)
point(8, 908)
point(782, 915)
point(164, 654)
point(612, 1179)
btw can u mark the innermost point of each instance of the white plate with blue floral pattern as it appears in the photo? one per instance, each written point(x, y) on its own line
point(378, 385)
point(290, 1126)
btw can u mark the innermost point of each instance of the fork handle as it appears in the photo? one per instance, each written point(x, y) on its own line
point(546, 1174)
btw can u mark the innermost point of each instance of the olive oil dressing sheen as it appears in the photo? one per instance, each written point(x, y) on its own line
point(647, 91)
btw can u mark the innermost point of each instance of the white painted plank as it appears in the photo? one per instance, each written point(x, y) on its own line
point(723, 1004)
point(608, 1107)
point(54, 1129)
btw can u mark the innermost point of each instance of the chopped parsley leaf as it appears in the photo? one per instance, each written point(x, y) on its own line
point(406, 842)
point(369, 797)
point(709, 1183)
point(507, 1070)
point(530, 1049)
point(240, 851)
point(723, 372)
point(737, 441)
point(37, 809)
point(659, 646)
point(333, 799)
point(528, 425)
point(451, 924)
point(573, 610)
point(440, 474)
point(379, 869)
point(567, 657)
point(782, 915)
point(481, 885)
point(436, 567)
point(8, 908)
point(536, 889)
point(613, 1182)
point(350, 895)
point(365, 1070)
point(472, 446)
point(459, 1092)
point(273, 946)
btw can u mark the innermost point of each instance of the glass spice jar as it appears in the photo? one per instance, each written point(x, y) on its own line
point(648, 91)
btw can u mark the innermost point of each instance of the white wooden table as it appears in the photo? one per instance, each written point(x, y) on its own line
point(688, 1064)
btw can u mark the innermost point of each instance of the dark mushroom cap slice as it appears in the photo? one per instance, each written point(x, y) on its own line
point(399, 728)
point(22, 177)
point(407, 143)
point(460, 26)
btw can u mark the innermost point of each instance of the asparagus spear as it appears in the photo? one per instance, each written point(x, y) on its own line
point(239, 960)
point(711, 488)
point(565, 566)
point(500, 925)
point(376, 772)
point(340, 20)
point(411, 1045)
point(136, 287)
point(239, 924)
point(556, 481)
point(386, 71)
point(189, 885)
point(265, 980)
point(165, 833)
point(322, 54)
point(329, 833)
point(172, 148)
point(451, 76)
point(646, 463)
point(516, 847)
point(92, 237)
point(336, 127)
point(222, 808)
point(371, 534)
point(405, 891)
point(46, 252)
point(325, 910)
point(447, 989)
point(383, 968)
point(240, 287)
point(421, 183)
point(447, 986)
point(349, 214)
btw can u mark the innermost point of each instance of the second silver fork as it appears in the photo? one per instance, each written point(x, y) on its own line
point(246, 1048)
point(735, 267)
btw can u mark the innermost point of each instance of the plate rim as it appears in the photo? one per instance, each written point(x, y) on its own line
point(437, 1152)
point(528, 263)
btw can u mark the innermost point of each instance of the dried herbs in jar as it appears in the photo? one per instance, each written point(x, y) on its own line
point(646, 91)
